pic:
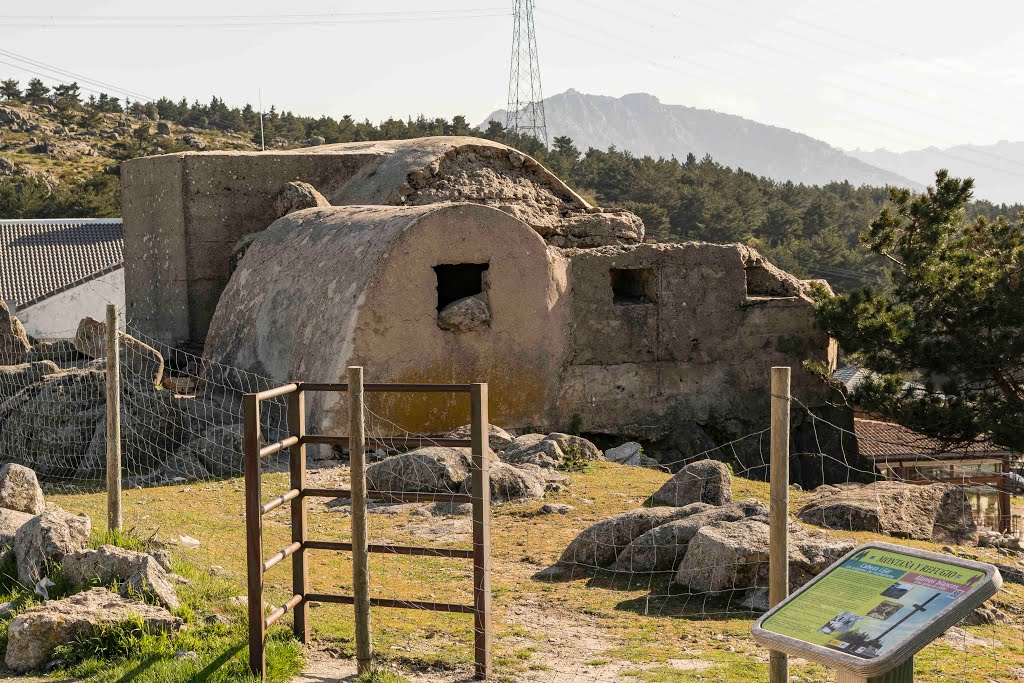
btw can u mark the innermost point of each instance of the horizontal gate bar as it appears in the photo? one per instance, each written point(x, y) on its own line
point(276, 391)
point(407, 388)
point(280, 611)
point(393, 496)
point(279, 501)
point(280, 555)
point(385, 441)
point(400, 604)
point(393, 549)
point(278, 446)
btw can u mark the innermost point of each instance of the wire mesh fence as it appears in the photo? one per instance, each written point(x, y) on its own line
point(607, 564)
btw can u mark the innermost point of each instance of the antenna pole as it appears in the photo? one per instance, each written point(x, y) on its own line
point(263, 142)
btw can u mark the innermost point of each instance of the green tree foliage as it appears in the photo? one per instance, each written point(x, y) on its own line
point(97, 196)
point(948, 337)
point(10, 91)
point(37, 92)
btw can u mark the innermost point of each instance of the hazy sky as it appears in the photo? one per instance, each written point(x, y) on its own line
point(899, 74)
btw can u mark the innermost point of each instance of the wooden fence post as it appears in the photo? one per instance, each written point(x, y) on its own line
point(360, 564)
point(297, 465)
point(480, 435)
point(113, 422)
point(778, 561)
point(254, 535)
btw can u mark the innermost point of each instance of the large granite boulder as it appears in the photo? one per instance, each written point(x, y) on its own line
point(434, 469)
point(50, 425)
point(704, 481)
point(217, 451)
point(33, 634)
point(733, 556)
point(497, 437)
point(924, 512)
point(576, 447)
point(663, 547)
point(15, 378)
point(533, 449)
point(14, 342)
point(139, 360)
point(136, 573)
point(598, 545)
point(20, 490)
point(511, 483)
point(44, 540)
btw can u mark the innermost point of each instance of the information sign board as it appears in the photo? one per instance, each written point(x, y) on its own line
point(876, 607)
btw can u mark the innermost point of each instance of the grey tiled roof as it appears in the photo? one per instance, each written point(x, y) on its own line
point(39, 258)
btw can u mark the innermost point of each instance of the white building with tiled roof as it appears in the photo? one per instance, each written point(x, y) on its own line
point(54, 272)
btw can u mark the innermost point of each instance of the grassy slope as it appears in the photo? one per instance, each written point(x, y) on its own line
point(529, 615)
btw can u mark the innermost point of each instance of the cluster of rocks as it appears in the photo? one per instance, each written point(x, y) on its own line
point(696, 532)
point(521, 468)
point(36, 538)
point(53, 402)
point(923, 512)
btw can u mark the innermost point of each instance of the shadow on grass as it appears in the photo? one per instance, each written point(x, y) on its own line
point(145, 664)
point(677, 603)
point(221, 660)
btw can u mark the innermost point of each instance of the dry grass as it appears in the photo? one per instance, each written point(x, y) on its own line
point(595, 629)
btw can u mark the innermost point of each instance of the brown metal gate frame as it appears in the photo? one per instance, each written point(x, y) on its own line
point(299, 493)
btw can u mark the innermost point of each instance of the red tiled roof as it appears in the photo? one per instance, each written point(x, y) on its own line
point(890, 441)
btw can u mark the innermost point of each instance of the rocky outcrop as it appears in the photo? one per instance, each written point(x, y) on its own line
point(631, 454)
point(44, 540)
point(704, 481)
point(497, 437)
point(733, 556)
point(15, 378)
point(138, 359)
point(20, 490)
point(136, 574)
point(663, 547)
point(511, 483)
point(599, 545)
point(598, 228)
point(551, 451)
point(217, 451)
point(14, 343)
point(33, 634)
point(434, 469)
point(466, 314)
point(931, 512)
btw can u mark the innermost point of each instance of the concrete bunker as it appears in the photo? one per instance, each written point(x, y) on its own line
point(458, 260)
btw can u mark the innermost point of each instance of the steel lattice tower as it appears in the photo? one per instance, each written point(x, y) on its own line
point(525, 99)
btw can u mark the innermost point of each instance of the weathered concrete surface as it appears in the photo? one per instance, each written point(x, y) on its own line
point(323, 289)
point(185, 213)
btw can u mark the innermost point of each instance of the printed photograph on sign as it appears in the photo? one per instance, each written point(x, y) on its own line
point(877, 599)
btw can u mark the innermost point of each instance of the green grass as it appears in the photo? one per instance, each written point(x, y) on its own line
point(640, 636)
point(214, 651)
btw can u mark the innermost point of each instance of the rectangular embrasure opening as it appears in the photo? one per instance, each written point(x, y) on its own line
point(457, 281)
point(633, 286)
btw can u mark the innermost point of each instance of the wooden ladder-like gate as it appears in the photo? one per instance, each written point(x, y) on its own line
point(299, 493)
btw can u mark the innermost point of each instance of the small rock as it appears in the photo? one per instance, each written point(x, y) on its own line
point(704, 481)
point(136, 573)
point(163, 558)
point(556, 509)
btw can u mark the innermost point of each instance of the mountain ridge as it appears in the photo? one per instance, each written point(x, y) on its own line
point(641, 124)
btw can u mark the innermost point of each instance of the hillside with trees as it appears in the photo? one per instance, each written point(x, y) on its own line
point(60, 156)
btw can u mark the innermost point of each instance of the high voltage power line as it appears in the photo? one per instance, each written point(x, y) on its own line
point(525, 113)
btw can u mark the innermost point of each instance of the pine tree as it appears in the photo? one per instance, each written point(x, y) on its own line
point(10, 91)
point(37, 93)
point(948, 337)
